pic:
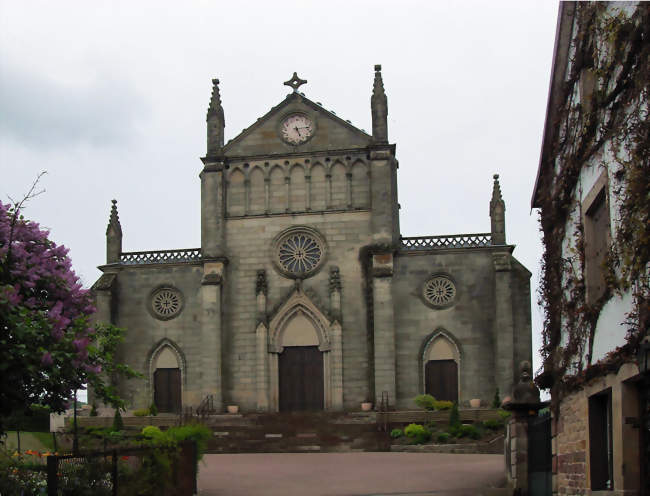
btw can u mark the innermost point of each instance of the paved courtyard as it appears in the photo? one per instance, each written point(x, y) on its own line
point(348, 474)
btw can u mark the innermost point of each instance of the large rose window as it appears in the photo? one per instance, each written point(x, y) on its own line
point(299, 252)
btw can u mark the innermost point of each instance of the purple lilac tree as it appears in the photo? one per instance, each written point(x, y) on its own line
point(48, 345)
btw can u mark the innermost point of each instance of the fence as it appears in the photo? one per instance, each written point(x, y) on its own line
point(125, 471)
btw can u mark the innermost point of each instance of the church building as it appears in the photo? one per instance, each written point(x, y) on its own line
point(304, 295)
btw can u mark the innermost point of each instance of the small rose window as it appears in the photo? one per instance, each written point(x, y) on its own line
point(439, 291)
point(166, 303)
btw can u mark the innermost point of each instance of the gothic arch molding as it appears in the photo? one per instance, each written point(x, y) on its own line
point(152, 357)
point(329, 337)
point(425, 350)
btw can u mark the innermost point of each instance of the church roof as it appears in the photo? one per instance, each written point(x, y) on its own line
point(262, 136)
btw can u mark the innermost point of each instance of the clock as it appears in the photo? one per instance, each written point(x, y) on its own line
point(296, 129)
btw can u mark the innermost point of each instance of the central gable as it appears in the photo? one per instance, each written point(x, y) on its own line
point(264, 137)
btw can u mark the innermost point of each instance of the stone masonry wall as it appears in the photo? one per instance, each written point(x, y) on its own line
point(248, 249)
point(570, 432)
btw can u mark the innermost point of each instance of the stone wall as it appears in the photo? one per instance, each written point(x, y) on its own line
point(570, 432)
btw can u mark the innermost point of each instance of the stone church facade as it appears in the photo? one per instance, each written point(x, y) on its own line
point(303, 294)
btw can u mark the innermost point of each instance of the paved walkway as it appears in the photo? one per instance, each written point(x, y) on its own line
point(348, 474)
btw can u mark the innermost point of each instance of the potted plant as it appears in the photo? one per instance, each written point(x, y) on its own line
point(232, 408)
point(366, 406)
point(475, 403)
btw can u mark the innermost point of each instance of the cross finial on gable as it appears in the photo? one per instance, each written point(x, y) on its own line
point(295, 82)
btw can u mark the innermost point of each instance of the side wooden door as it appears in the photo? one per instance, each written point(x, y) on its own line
point(441, 378)
point(167, 390)
point(301, 378)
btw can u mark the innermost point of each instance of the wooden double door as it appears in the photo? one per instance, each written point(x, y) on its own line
point(301, 379)
point(167, 390)
point(441, 379)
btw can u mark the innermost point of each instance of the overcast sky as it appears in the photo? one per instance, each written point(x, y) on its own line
point(110, 99)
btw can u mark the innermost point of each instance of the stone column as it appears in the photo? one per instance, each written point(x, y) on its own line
point(308, 192)
point(211, 359)
point(103, 292)
point(524, 406)
point(383, 195)
point(212, 208)
point(261, 344)
point(384, 326)
point(503, 331)
point(336, 333)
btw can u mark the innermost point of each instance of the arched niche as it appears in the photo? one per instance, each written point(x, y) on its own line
point(300, 323)
point(440, 366)
point(166, 366)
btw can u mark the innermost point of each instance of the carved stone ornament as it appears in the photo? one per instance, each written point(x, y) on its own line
point(299, 252)
point(166, 303)
point(525, 390)
point(439, 291)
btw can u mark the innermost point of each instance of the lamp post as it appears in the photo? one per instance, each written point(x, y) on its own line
point(75, 439)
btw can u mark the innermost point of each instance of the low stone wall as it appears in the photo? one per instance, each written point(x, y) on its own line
point(494, 447)
point(467, 415)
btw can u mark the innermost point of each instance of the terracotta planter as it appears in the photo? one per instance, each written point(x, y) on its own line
point(232, 408)
point(366, 406)
point(475, 403)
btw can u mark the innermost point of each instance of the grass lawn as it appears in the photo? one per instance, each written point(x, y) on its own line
point(39, 441)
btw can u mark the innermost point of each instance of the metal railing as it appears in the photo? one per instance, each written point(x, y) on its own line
point(453, 241)
point(160, 256)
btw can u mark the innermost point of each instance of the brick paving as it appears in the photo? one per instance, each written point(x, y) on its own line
point(349, 474)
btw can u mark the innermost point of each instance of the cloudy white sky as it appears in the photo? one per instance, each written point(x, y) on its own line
point(110, 99)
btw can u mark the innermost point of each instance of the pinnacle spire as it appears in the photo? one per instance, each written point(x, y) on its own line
point(215, 100)
point(497, 214)
point(114, 220)
point(216, 121)
point(496, 192)
point(379, 109)
point(113, 236)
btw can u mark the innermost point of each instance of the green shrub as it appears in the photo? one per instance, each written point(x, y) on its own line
point(418, 433)
point(493, 424)
point(198, 433)
point(153, 409)
point(425, 401)
point(396, 433)
point(496, 402)
point(454, 416)
point(152, 432)
point(469, 431)
point(118, 423)
point(504, 414)
point(443, 405)
point(431, 425)
point(443, 437)
point(142, 412)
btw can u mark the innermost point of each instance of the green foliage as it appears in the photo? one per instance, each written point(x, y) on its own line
point(118, 423)
point(417, 433)
point(153, 409)
point(431, 425)
point(454, 416)
point(443, 437)
point(35, 419)
point(468, 431)
point(496, 401)
point(504, 414)
point(198, 433)
point(153, 433)
point(396, 433)
point(443, 405)
point(493, 424)
point(425, 401)
point(142, 412)
point(93, 410)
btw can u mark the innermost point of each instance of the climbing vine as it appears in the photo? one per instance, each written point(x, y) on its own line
point(601, 121)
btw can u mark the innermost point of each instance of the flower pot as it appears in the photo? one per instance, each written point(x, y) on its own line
point(232, 408)
point(366, 406)
point(475, 403)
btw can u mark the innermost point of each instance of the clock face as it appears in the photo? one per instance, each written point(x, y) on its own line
point(297, 129)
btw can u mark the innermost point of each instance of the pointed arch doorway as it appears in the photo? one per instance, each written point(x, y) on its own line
point(166, 366)
point(300, 367)
point(304, 359)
